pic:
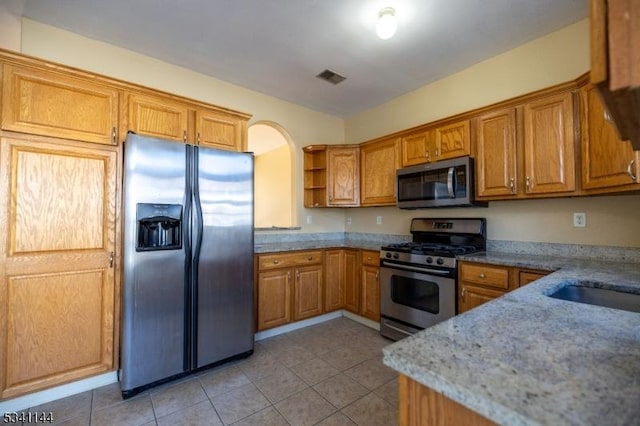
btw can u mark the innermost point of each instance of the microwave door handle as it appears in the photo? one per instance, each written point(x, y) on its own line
point(452, 194)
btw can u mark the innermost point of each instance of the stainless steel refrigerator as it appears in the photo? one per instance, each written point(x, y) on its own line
point(188, 260)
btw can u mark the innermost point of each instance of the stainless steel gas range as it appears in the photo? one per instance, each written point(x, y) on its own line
point(418, 279)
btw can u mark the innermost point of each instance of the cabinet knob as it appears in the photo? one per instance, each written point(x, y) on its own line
point(512, 185)
point(630, 170)
point(463, 291)
point(289, 275)
point(437, 153)
point(607, 116)
point(184, 136)
point(368, 257)
point(528, 183)
point(113, 136)
point(482, 275)
point(310, 258)
point(276, 261)
point(198, 138)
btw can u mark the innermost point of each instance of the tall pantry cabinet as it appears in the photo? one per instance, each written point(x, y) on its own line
point(60, 192)
point(59, 195)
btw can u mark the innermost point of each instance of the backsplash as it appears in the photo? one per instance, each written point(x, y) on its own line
point(622, 254)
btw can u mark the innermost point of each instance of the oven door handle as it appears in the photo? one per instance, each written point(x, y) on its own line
point(413, 268)
point(452, 194)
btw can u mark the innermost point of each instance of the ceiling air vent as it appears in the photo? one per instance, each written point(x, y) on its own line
point(331, 77)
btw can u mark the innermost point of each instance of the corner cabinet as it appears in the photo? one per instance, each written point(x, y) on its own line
point(378, 164)
point(608, 163)
point(342, 289)
point(62, 105)
point(57, 275)
point(479, 283)
point(331, 176)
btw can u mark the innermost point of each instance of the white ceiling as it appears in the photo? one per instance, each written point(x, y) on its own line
point(277, 47)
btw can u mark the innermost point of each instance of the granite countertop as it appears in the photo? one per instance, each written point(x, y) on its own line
point(317, 244)
point(528, 359)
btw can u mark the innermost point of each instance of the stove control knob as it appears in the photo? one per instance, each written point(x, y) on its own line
point(440, 261)
point(396, 255)
point(429, 259)
point(387, 255)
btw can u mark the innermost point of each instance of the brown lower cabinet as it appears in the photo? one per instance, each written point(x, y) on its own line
point(420, 405)
point(481, 282)
point(290, 287)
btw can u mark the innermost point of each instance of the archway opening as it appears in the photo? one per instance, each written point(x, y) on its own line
point(274, 183)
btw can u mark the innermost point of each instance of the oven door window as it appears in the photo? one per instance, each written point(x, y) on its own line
point(417, 294)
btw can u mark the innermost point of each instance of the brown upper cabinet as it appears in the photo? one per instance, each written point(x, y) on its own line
point(164, 117)
point(607, 162)
point(331, 175)
point(549, 145)
point(219, 130)
point(439, 143)
point(63, 105)
point(158, 116)
point(615, 63)
point(496, 161)
point(378, 164)
point(534, 158)
point(343, 165)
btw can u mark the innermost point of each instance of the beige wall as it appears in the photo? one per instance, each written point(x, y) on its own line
point(272, 194)
point(555, 58)
point(10, 25)
point(303, 125)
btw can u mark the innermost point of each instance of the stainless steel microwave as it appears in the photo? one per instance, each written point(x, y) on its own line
point(448, 183)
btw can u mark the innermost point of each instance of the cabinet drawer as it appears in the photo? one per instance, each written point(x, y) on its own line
point(286, 260)
point(490, 276)
point(370, 257)
point(525, 277)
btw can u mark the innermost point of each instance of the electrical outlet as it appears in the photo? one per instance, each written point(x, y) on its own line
point(309, 219)
point(349, 221)
point(378, 220)
point(579, 220)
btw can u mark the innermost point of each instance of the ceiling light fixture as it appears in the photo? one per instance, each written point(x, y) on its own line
point(387, 24)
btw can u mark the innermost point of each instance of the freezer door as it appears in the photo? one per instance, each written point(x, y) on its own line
point(224, 256)
point(154, 290)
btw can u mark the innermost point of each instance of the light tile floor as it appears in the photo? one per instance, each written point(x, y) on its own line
point(326, 374)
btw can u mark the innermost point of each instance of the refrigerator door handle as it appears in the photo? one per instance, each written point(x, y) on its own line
point(197, 205)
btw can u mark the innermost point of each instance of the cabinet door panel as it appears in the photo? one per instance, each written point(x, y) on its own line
point(471, 297)
point(378, 165)
point(415, 149)
point(352, 281)
point(343, 169)
point(307, 292)
point(59, 326)
point(51, 104)
point(218, 130)
point(274, 298)
point(549, 145)
point(496, 153)
point(158, 117)
point(453, 140)
point(371, 292)
point(605, 158)
point(334, 285)
point(57, 279)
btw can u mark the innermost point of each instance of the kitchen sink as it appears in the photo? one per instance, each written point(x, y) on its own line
point(616, 299)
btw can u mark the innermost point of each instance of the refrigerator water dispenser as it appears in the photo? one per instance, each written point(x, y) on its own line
point(159, 227)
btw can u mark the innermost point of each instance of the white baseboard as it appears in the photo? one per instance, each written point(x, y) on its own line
point(316, 320)
point(296, 325)
point(62, 391)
